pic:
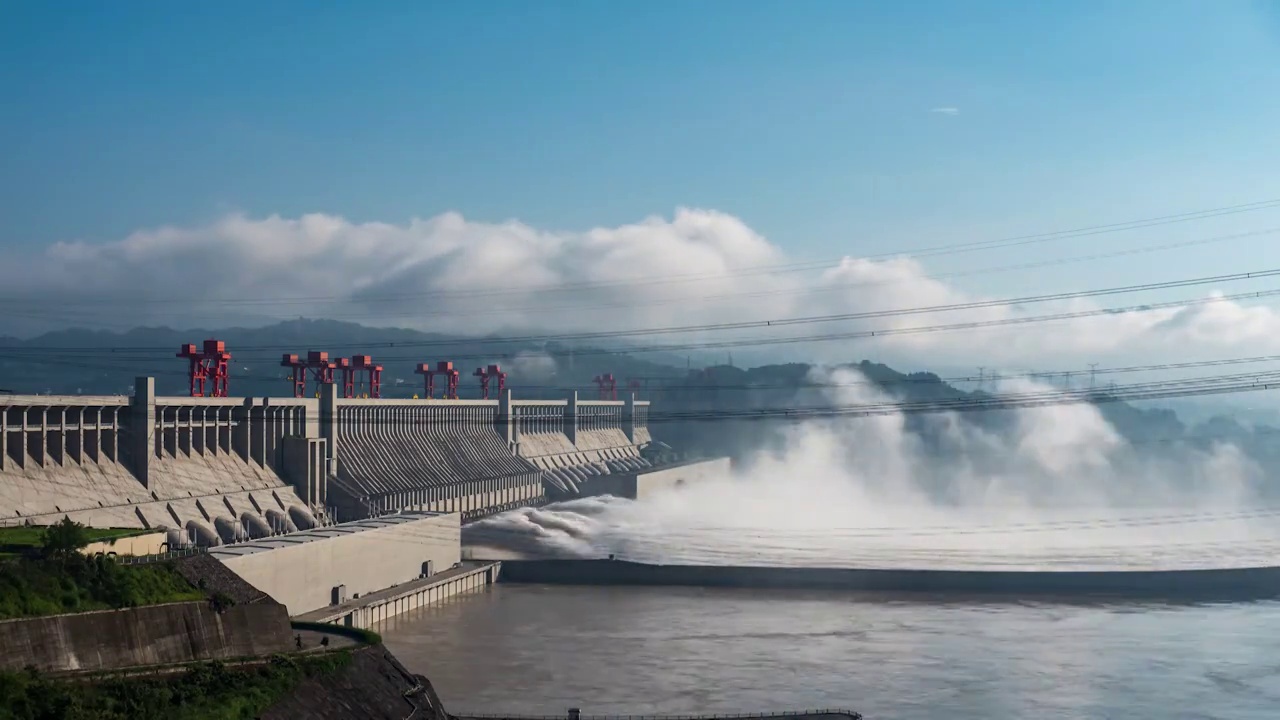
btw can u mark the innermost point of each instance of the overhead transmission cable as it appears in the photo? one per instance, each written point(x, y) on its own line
point(673, 383)
point(813, 319)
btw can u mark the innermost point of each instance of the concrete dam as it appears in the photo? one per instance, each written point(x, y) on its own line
point(226, 470)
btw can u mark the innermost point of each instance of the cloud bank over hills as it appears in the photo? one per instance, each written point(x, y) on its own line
point(453, 275)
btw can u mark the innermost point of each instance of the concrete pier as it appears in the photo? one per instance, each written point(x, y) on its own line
point(367, 610)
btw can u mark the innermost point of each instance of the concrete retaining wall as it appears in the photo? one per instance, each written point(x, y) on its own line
point(148, 544)
point(301, 570)
point(159, 634)
point(1225, 585)
point(642, 484)
point(673, 477)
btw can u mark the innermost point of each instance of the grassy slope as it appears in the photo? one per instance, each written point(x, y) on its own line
point(210, 691)
point(29, 536)
point(30, 587)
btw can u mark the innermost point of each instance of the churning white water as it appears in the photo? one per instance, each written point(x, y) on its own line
point(1057, 487)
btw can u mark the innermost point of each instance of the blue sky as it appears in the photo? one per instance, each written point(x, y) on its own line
point(810, 120)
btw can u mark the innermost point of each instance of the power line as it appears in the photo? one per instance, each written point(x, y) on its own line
point(813, 319)
point(131, 353)
point(1187, 387)
point(678, 387)
point(1208, 385)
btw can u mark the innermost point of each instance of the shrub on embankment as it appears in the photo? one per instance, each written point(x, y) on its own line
point(54, 577)
point(368, 637)
point(204, 691)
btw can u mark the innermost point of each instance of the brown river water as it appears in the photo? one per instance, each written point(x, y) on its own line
point(543, 649)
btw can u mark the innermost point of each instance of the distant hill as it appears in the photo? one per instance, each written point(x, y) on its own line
point(98, 362)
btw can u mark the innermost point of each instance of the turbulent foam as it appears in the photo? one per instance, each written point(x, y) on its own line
point(1055, 488)
point(597, 527)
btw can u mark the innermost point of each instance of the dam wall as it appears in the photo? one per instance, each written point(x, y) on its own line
point(226, 470)
point(152, 635)
point(436, 455)
point(637, 485)
point(147, 461)
point(673, 477)
point(315, 569)
point(574, 441)
point(1199, 585)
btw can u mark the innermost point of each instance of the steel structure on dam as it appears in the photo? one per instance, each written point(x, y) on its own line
point(228, 469)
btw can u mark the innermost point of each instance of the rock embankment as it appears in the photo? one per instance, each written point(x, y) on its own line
point(214, 578)
point(374, 686)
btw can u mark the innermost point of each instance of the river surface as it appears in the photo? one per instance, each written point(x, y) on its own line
point(543, 649)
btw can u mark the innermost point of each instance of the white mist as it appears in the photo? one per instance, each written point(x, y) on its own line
point(1059, 488)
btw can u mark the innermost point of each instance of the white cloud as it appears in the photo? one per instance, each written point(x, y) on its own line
point(450, 274)
point(945, 111)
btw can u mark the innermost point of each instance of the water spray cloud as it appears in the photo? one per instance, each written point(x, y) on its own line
point(1036, 487)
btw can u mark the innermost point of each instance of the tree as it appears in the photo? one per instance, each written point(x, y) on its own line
point(64, 539)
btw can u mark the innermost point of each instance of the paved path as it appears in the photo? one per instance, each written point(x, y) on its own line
point(311, 640)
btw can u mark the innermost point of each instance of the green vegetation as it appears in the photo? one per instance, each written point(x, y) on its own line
point(57, 578)
point(206, 691)
point(368, 637)
point(24, 539)
point(32, 536)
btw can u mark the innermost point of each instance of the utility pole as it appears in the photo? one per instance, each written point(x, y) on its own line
point(1093, 376)
point(981, 375)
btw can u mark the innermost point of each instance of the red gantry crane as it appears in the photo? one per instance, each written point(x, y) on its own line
point(608, 386)
point(317, 361)
point(211, 364)
point(490, 373)
point(443, 369)
point(360, 376)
